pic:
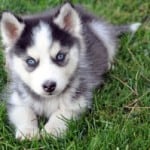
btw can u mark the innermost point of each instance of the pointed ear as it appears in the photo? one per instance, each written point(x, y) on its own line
point(11, 28)
point(68, 19)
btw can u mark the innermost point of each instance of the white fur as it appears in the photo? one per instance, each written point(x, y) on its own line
point(134, 27)
point(23, 115)
point(56, 124)
point(26, 127)
point(42, 37)
point(101, 30)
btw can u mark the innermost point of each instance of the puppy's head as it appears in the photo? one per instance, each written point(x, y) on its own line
point(43, 52)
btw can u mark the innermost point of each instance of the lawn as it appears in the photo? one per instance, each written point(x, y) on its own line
point(120, 117)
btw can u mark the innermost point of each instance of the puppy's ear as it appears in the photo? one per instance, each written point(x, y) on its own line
point(11, 28)
point(68, 19)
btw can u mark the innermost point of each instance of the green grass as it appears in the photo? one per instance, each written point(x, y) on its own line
point(120, 118)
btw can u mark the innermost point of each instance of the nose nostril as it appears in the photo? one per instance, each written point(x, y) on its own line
point(49, 86)
point(52, 87)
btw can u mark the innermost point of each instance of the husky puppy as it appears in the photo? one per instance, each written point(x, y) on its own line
point(55, 60)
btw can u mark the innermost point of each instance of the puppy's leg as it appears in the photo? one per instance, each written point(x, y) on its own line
point(25, 121)
point(68, 109)
point(56, 125)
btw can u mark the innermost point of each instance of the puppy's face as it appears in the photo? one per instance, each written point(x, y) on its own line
point(43, 53)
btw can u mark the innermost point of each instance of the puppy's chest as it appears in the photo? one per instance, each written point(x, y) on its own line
point(45, 107)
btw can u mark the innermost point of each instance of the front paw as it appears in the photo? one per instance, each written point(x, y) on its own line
point(54, 129)
point(27, 133)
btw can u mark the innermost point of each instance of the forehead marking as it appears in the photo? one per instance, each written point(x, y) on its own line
point(42, 37)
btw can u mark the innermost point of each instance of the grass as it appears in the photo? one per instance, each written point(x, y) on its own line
point(120, 118)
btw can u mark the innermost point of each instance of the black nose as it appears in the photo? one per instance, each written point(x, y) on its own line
point(49, 86)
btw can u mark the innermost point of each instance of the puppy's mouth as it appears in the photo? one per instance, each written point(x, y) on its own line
point(51, 94)
point(48, 94)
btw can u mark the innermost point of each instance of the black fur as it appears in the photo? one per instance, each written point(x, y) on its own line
point(25, 40)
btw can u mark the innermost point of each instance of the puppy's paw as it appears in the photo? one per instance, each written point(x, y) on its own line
point(27, 133)
point(54, 129)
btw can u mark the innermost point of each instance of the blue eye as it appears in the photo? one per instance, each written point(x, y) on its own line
point(60, 57)
point(31, 62)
